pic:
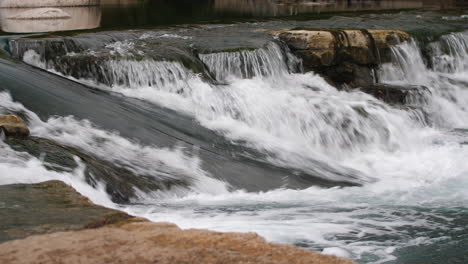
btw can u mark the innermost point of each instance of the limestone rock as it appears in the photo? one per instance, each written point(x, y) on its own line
point(122, 182)
point(318, 47)
point(399, 95)
point(163, 243)
point(386, 38)
point(32, 209)
point(99, 235)
point(357, 46)
point(13, 126)
point(343, 56)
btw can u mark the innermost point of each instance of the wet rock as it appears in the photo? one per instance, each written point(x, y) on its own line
point(343, 56)
point(384, 39)
point(396, 94)
point(32, 209)
point(316, 47)
point(164, 243)
point(13, 126)
point(121, 182)
point(352, 74)
point(50, 222)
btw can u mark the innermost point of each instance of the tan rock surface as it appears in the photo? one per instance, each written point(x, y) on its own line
point(385, 38)
point(12, 125)
point(145, 242)
point(47, 207)
point(329, 40)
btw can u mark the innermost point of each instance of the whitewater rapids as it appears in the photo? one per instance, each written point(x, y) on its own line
point(411, 161)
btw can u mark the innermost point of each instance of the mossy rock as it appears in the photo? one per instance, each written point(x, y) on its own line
point(31, 209)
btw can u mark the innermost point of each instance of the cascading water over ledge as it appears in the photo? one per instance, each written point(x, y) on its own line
point(446, 106)
point(272, 60)
point(261, 145)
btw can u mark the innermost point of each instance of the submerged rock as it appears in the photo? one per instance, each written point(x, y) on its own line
point(343, 56)
point(121, 183)
point(164, 243)
point(397, 94)
point(31, 209)
point(99, 235)
point(13, 126)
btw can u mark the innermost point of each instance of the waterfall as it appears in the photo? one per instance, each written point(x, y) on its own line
point(129, 73)
point(267, 61)
point(443, 73)
point(450, 54)
point(294, 119)
point(167, 75)
point(410, 159)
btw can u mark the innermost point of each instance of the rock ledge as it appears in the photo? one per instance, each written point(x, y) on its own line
point(110, 236)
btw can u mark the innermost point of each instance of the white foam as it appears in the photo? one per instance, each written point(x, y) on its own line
point(336, 251)
point(296, 119)
point(162, 163)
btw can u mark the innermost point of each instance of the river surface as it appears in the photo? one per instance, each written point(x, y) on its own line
point(201, 99)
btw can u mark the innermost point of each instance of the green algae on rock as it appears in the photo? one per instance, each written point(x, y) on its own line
point(32, 209)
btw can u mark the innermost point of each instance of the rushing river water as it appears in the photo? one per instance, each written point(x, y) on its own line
point(259, 145)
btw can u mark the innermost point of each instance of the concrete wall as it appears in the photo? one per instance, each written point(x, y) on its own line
point(13, 20)
point(47, 3)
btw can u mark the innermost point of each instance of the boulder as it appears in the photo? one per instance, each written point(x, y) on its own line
point(121, 182)
point(50, 222)
point(315, 47)
point(33, 209)
point(13, 126)
point(162, 243)
point(343, 56)
point(385, 38)
point(397, 94)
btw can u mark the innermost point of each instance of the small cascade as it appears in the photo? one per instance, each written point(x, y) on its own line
point(115, 72)
point(270, 60)
point(409, 155)
point(407, 65)
point(147, 73)
point(450, 54)
point(442, 75)
point(294, 119)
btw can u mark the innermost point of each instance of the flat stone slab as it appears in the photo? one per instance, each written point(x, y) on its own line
point(32, 209)
point(162, 243)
